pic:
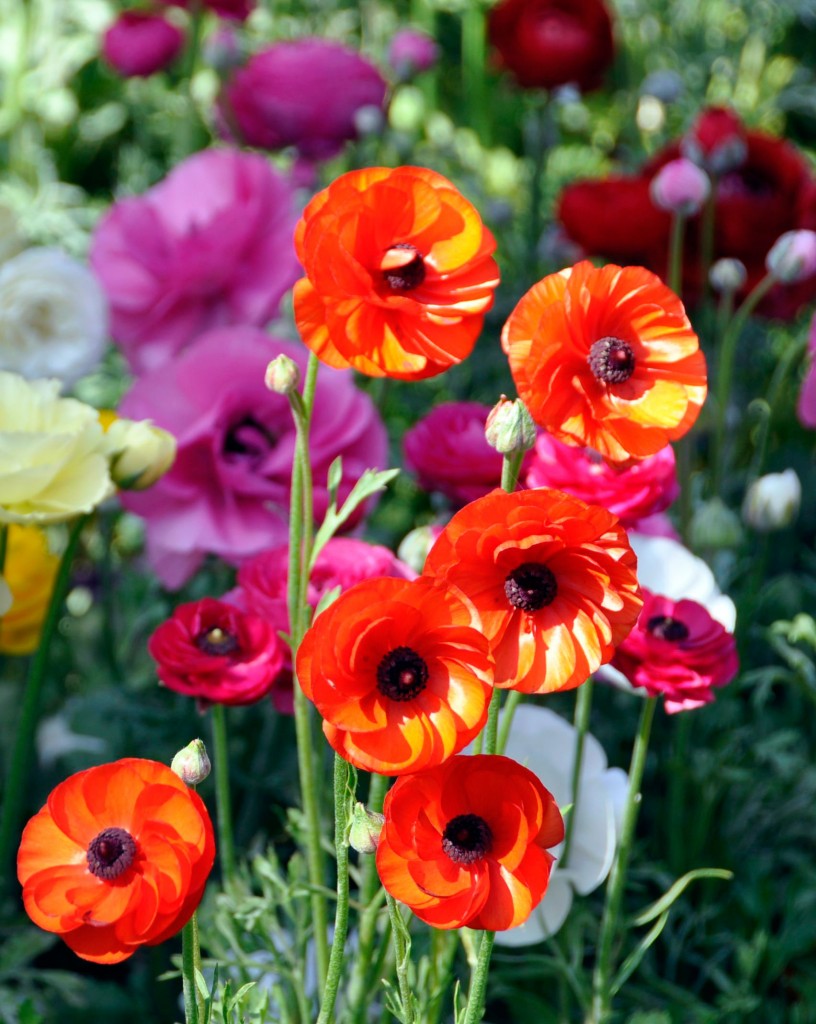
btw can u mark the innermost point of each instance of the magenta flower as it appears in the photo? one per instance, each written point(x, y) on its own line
point(208, 246)
point(304, 93)
point(139, 44)
point(807, 397)
point(679, 651)
point(216, 653)
point(631, 493)
point(228, 491)
point(410, 52)
point(448, 453)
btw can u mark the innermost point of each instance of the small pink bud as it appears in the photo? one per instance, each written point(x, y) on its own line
point(411, 52)
point(792, 257)
point(139, 44)
point(680, 187)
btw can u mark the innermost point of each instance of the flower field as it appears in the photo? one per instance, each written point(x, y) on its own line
point(407, 514)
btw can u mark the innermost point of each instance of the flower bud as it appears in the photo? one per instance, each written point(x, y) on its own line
point(727, 275)
point(141, 453)
point(792, 257)
point(509, 427)
point(714, 525)
point(772, 502)
point(191, 764)
point(282, 375)
point(364, 834)
point(680, 187)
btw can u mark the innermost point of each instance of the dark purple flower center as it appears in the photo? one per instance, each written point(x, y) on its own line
point(248, 440)
point(611, 360)
point(404, 267)
point(530, 587)
point(111, 853)
point(402, 674)
point(664, 627)
point(216, 640)
point(467, 838)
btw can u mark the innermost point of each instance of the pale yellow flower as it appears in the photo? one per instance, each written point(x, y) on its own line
point(140, 453)
point(29, 571)
point(53, 454)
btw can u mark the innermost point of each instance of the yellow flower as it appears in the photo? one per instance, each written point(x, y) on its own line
point(29, 572)
point(140, 453)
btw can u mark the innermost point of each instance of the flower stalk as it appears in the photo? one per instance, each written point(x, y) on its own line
point(223, 803)
point(583, 708)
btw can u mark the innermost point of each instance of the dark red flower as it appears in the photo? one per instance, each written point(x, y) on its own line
point(547, 43)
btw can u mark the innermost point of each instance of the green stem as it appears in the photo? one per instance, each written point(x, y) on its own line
point(790, 358)
point(674, 277)
point(474, 62)
point(401, 953)
point(190, 62)
point(511, 464)
point(602, 978)
point(18, 778)
point(4, 532)
point(226, 843)
point(510, 705)
point(677, 792)
point(707, 235)
point(478, 981)
point(583, 707)
point(539, 135)
point(190, 962)
point(341, 848)
point(492, 727)
point(443, 955)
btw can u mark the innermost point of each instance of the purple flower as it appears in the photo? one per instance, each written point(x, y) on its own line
point(139, 44)
point(210, 245)
point(305, 93)
point(411, 52)
point(228, 491)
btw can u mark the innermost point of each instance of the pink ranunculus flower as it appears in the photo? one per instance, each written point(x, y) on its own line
point(233, 10)
point(217, 653)
point(678, 651)
point(411, 51)
point(806, 407)
point(228, 491)
point(448, 452)
point(210, 245)
point(304, 93)
point(633, 492)
point(139, 44)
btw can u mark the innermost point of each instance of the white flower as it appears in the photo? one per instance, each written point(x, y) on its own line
point(5, 597)
point(53, 316)
point(53, 455)
point(773, 501)
point(56, 738)
point(545, 743)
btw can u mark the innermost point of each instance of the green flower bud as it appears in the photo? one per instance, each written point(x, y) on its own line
point(510, 427)
point(282, 375)
point(366, 826)
point(715, 525)
point(191, 764)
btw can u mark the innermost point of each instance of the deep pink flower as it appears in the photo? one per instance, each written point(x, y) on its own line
point(208, 246)
point(807, 397)
point(234, 10)
point(631, 492)
point(303, 93)
point(679, 651)
point(411, 51)
point(228, 490)
point(217, 653)
point(138, 43)
point(448, 452)
point(716, 141)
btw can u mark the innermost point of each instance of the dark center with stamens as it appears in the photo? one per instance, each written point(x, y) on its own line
point(217, 641)
point(111, 853)
point(248, 440)
point(611, 360)
point(531, 587)
point(666, 628)
point(408, 274)
point(467, 838)
point(402, 674)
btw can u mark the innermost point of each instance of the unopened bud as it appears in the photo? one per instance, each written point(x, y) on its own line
point(140, 453)
point(715, 525)
point(415, 545)
point(792, 257)
point(680, 187)
point(191, 764)
point(727, 275)
point(282, 375)
point(509, 427)
point(364, 834)
point(773, 501)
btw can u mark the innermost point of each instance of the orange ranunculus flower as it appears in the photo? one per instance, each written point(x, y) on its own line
point(400, 672)
point(607, 358)
point(117, 859)
point(466, 844)
point(399, 273)
point(30, 570)
point(553, 580)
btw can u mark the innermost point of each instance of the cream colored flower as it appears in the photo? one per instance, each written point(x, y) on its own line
point(53, 316)
point(141, 453)
point(53, 455)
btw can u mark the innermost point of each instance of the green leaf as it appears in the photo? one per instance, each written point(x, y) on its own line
point(333, 479)
point(631, 963)
point(371, 482)
point(668, 898)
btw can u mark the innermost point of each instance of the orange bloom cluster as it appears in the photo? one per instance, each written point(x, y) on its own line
point(466, 844)
point(400, 673)
point(607, 358)
point(118, 858)
point(399, 273)
point(553, 580)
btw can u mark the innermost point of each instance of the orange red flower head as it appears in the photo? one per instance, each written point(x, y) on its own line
point(607, 358)
point(399, 273)
point(400, 672)
point(118, 858)
point(466, 844)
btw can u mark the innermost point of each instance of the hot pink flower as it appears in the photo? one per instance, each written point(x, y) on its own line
point(630, 492)
point(807, 397)
point(411, 51)
point(679, 651)
point(216, 653)
point(139, 44)
point(448, 452)
point(228, 490)
point(302, 93)
point(210, 245)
